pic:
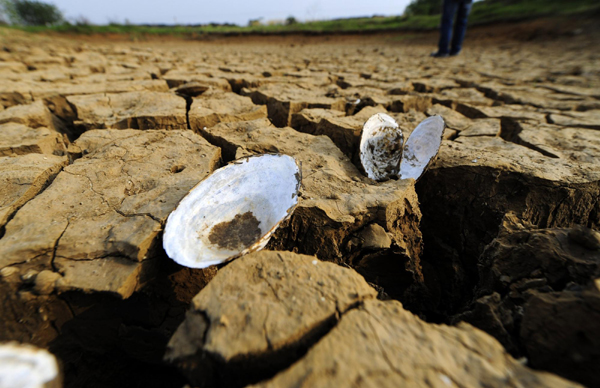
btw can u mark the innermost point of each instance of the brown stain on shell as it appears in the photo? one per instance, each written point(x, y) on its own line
point(239, 233)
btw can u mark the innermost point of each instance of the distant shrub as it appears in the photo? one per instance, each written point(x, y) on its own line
point(424, 7)
point(114, 21)
point(82, 21)
point(254, 22)
point(291, 21)
point(31, 12)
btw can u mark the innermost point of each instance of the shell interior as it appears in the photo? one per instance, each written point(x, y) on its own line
point(232, 212)
point(381, 147)
point(421, 147)
point(25, 366)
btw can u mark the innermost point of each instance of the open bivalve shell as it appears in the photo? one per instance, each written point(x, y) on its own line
point(381, 152)
point(381, 147)
point(422, 147)
point(234, 211)
point(25, 366)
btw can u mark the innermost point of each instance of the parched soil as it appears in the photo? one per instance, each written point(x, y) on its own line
point(485, 272)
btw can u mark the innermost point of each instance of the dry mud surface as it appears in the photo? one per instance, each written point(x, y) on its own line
point(485, 272)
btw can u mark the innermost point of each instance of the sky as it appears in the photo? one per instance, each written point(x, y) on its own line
point(223, 11)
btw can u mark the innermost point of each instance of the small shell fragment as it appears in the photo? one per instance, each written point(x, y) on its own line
point(25, 366)
point(422, 147)
point(381, 147)
point(233, 212)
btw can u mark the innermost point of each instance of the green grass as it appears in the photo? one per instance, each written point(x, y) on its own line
point(325, 26)
point(483, 12)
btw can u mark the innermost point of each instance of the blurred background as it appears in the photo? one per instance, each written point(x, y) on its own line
point(185, 16)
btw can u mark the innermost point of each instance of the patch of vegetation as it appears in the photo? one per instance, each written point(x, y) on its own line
point(424, 7)
point(30, 12)
point(499, 10)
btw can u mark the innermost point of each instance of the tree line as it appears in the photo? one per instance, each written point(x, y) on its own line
point(30, 12)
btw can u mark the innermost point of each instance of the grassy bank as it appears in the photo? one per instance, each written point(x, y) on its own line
point(364, 24)
point(483, 12)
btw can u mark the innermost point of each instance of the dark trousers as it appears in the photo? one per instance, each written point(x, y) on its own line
point(451, 8)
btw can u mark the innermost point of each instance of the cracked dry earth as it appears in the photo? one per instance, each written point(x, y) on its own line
point(483, 273)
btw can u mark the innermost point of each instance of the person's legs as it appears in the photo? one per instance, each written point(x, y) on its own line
point(460, 28)
point(448, 11)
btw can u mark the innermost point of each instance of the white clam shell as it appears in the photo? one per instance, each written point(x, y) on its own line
point(25, 366)
point(421, 147)
point(234, 211)
point(381, 147)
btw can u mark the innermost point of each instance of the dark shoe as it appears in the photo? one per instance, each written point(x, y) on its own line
point(438, 54)
point(454, 54)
